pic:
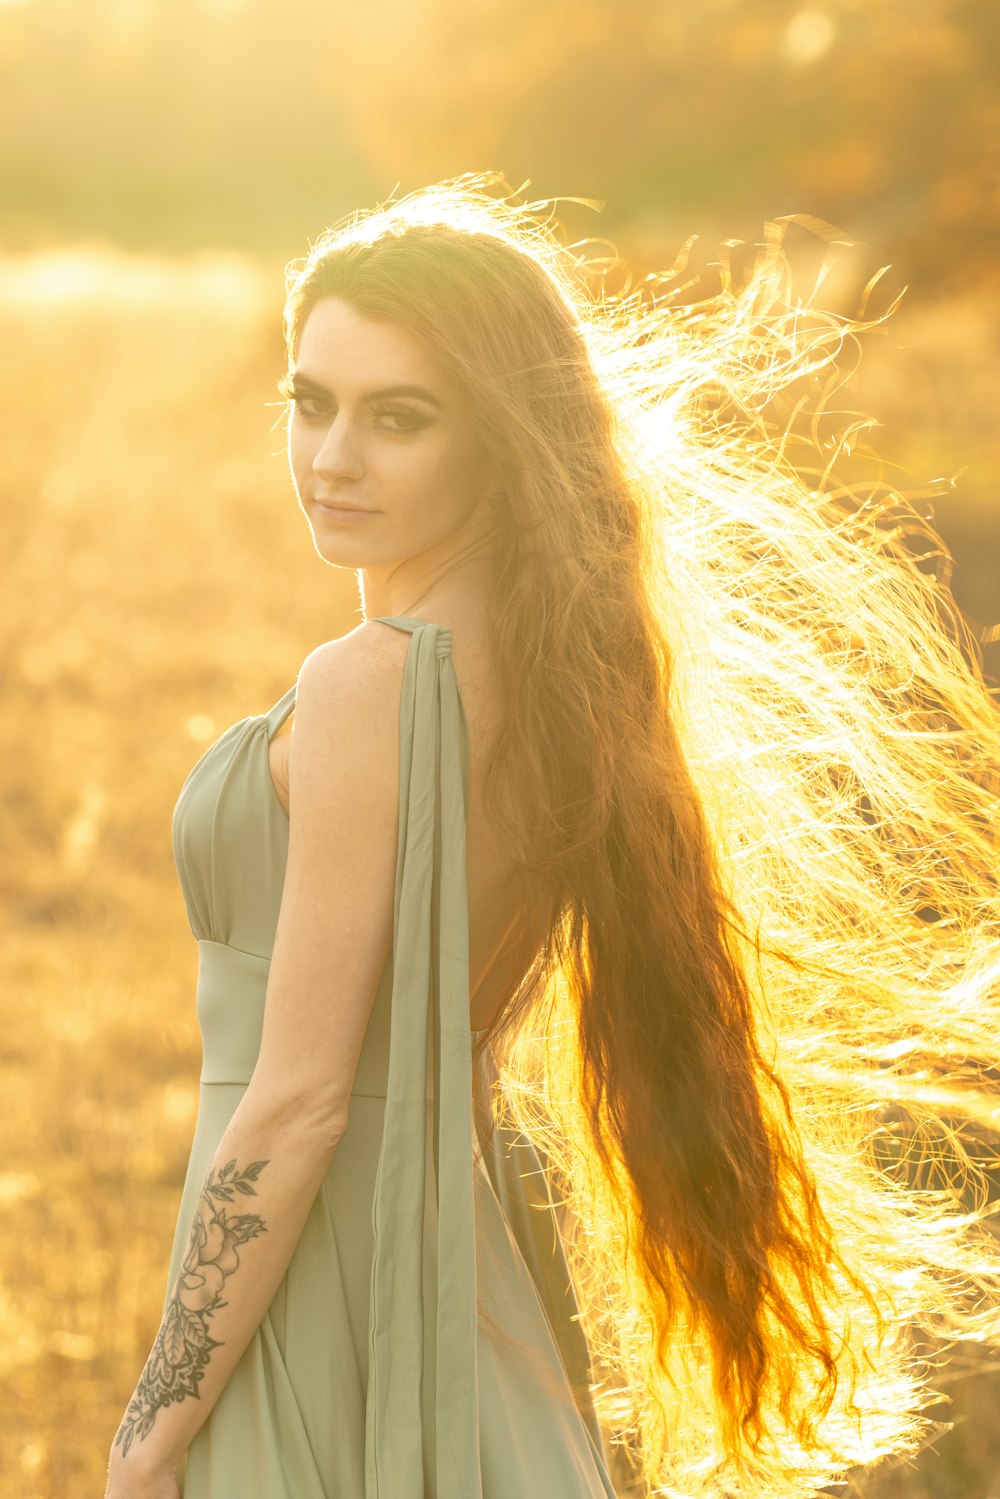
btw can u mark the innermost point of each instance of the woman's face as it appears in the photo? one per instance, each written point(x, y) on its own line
point(376, 425)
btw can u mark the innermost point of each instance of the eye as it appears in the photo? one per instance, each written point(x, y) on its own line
point(298, 398)
point(398, 420)
point(401, 419)
point(300, 403)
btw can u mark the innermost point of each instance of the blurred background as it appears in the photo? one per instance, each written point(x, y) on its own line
point(161, 161)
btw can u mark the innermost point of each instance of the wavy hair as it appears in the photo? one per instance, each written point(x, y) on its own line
point(747, 766)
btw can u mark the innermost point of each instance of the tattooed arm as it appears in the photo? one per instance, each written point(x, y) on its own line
point(184, 1342)
point(333, 938)
point(249, 1217)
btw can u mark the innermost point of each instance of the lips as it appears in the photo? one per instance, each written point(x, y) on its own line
point(336, 505)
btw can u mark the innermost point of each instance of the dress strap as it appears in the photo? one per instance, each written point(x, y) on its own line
point(429, 1029)
point(406, 622)
point(276, 716)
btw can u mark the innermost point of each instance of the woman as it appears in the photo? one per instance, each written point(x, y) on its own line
point(625, 862)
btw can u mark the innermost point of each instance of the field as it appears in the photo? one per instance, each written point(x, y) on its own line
point(161, 583)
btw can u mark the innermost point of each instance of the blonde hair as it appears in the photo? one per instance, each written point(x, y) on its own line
point(749, 769)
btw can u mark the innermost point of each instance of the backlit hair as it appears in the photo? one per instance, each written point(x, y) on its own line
point(748, 767)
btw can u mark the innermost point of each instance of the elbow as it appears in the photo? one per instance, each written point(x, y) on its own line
point(311, 1118)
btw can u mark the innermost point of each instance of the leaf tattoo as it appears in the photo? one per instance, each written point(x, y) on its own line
point(183, 1346)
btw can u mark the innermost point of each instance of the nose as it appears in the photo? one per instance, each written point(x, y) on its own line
point(339, 455)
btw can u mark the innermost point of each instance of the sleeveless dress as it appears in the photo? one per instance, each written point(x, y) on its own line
point(372, 1375)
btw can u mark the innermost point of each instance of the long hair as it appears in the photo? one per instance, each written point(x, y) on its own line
point(744, 765)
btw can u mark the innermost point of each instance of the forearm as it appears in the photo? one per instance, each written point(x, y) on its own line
point(253, 1206)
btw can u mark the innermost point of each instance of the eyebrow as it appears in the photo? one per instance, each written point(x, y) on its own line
point(381, 393)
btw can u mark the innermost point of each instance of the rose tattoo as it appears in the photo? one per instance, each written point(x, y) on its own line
point(183, 1346)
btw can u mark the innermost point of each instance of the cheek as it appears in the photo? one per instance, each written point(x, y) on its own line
point(452, 464)
point(301, 450)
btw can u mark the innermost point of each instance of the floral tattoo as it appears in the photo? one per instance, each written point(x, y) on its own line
point(182, 1349)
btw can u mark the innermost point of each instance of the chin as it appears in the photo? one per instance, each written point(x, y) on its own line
point(340, 553)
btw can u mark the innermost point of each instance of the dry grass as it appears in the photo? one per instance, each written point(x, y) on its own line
point(160, 583)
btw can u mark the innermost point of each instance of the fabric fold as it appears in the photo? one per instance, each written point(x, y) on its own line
point(430, 1035)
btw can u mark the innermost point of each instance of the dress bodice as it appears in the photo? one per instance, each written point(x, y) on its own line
point(230, 837)
point(409, 1205)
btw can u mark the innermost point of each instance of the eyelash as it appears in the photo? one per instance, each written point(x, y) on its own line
point(413, 423)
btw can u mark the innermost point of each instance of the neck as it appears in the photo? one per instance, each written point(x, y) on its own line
point(439, 587)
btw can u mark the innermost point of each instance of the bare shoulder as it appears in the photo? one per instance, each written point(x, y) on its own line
point(347, 697)
point(359, 665)
point(343, 757)
point(352, 683)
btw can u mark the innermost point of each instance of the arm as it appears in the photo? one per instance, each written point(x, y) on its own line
point(332, 941)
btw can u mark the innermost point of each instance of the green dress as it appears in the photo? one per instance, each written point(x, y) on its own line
point(372, 1376)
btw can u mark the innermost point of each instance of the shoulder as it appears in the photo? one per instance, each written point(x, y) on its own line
point(354, 671)
point(347, 703)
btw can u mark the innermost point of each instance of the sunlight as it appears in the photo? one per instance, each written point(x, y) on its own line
point(809, 35)
point(97, 272)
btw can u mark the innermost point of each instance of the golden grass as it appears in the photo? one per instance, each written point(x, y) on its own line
point(160, 583)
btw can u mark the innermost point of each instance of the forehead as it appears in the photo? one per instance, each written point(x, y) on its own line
point(337, 341)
